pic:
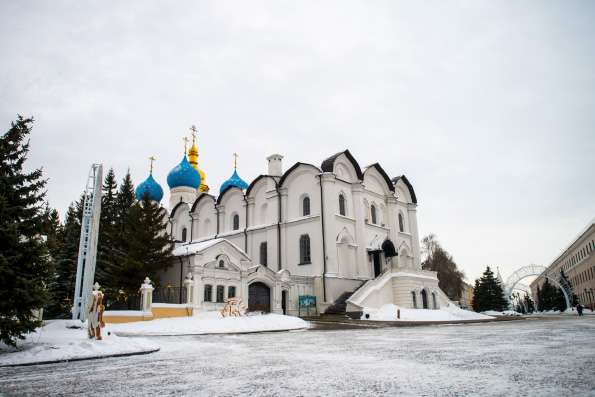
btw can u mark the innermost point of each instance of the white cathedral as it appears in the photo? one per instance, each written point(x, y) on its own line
point(342, 234)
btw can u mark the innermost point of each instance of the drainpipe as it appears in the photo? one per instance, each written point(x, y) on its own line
point(217, 213)
point(246, 227)
point(323, 240)
point(278, 227)
point(181, 276)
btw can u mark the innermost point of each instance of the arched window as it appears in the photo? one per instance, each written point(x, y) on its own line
point(184, 233)
point(304, 249)
point(236, 221)
point(342, 205)
point(231, 291)
point(306, 206)
point(401, 227)
point(263, 253)
point(208, 297)
point(373, 213)
point(413, 300)
point(434, 300)
point(221, 263)
point(220, 293)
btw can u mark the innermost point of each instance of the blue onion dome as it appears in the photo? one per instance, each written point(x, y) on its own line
point(151, 188)
point(183, 174)
point(235, 180)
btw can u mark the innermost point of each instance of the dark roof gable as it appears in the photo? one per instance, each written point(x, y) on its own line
point(328, 164)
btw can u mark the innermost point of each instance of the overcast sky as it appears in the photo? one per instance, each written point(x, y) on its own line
point(487, 107)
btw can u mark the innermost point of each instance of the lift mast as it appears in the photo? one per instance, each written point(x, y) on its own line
point(85, 269)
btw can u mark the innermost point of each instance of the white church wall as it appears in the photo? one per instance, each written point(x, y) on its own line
point(231, 204)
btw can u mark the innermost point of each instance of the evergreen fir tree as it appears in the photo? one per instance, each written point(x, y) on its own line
point(62, 288)
point(478, 299)
point(489, 293)
point(24, 267)
point(125, 199)
point(107, 225)
point(539, 299)
point(142, 250)
point(573, 298)
point(529, 304)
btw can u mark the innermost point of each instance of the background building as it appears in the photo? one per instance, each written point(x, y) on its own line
point(578, 263)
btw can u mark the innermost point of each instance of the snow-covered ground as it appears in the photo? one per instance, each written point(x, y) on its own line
point(211, 323)
point(537, 357)
point(448, 313)
point(55, 342)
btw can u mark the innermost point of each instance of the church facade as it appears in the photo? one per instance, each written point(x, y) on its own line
point(338, 232)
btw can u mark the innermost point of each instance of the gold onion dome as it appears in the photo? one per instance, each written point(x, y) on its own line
point(193, 160)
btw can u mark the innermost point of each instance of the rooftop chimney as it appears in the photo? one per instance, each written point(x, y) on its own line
point(275, 164)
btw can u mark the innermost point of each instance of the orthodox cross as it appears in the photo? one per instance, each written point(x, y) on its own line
point(194, 130)
point(185, 139)
point(151, 159)
point(235, 161)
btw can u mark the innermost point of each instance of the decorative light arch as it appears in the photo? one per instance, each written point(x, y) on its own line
point(536, 270)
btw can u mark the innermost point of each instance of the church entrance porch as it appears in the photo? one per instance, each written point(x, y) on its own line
point(259, 297)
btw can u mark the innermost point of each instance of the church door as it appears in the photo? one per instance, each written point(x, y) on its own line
point(259, 298)
point(424, 298)
point(284, 301)
point(377, 263)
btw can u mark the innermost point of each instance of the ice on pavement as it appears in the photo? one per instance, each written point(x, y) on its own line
point(534, 357)
point(447, 313)
point(211, 323)
point(57, 341)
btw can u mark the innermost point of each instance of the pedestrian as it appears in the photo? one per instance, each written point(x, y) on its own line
point(579, 309)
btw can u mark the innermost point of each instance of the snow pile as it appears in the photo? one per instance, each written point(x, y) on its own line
point(211, 323)
point(62, 340)
point(504, 313)
point(448, 313)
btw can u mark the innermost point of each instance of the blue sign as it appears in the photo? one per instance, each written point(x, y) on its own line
point(307, 301)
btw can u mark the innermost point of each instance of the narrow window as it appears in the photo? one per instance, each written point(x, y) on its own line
point(263, 253)
point(220, 290)
point(373, 213)
point(221, 263)
point(184, 232)
point(342, 205)
point(304, 249)
point(401, 227)
point(208, 293)
point(236, 222)
point(306, 206)
point(434, 300)
point(231, 291)
point(414, 299)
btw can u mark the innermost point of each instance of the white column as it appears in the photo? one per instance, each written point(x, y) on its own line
point(363, 268)
point(412, 212)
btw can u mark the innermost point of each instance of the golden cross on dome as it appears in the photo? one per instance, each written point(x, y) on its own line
point(185, 139)
point(235, 161)
point(194, 131)
point(151, 159)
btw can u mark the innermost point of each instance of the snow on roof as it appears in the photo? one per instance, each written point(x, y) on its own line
point(194, 248)
point(198, 247)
